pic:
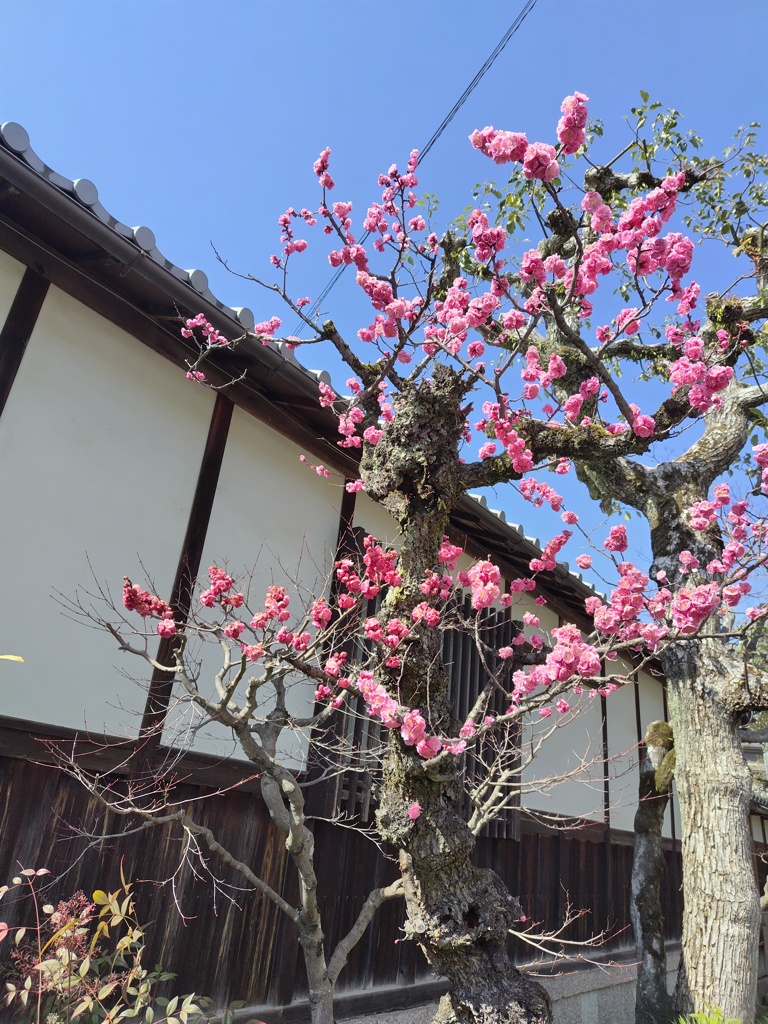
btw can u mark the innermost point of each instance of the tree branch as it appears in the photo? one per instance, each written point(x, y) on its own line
point(345, 946)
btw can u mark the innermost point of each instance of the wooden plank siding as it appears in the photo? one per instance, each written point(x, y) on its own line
point(246, 949)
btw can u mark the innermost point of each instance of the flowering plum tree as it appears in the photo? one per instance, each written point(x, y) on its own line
point(482, 367)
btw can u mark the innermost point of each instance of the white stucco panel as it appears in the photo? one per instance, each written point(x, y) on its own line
point(375, 520)
point(565, 776)
point(623, 771)
point(274, 520)
point(100, 446)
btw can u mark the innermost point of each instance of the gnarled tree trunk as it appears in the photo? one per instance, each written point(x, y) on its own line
point(459, 914)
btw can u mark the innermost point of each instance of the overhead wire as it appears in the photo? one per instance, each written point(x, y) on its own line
point(490, 61)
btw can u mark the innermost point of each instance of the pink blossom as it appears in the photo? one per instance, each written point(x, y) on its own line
point(584, 561)
point(572, 407)
point(687, 562)
point(424, 612)
point(691, 607)
point(617, 539)
point(501, 146)
point(321, 613)
point(540, 162)
point(141, 601)
point(642, 425)
point(267, 328)
point(456, 748)
point(570, 127)
point(253, 652)
point(483, 579)
point(414, 727)
point(166, 627)
point(429, 747)
point(414, 811)
point(372, 435)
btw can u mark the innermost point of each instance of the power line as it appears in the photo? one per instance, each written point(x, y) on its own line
point(479, 76)
point(494, 55)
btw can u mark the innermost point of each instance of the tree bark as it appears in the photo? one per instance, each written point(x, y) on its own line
point(459, 915)
point(718, 965)
point(653, 1004)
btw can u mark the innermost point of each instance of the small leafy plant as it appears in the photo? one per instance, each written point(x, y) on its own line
point(83, 960)
point(708, 1016)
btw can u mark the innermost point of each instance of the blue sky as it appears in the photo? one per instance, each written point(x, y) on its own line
point(202, 120)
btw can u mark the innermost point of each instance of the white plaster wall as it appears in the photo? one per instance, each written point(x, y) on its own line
point(11, 273)
point(375, 519)
point(757, 830)
point(651, 700)
point(575, 745)
point(100, 447)
point(622, 749)
point(526, 602)
point(274, 520)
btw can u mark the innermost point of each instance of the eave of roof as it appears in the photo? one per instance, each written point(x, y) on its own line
point(66, 219)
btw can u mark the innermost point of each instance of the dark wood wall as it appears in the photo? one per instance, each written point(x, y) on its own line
point(236, 945)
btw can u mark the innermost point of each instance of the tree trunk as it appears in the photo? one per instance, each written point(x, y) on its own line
point(653, 1004)
point(721, 918)
point(321, 991)
point(460, 915)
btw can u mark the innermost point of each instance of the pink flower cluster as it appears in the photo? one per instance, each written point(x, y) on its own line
point(616, 539)
point(704, 383)
point(220, 584)
point(703, 514)
point(488, 241)
point(571, 656)
point(538, 492)
point(548, 560)
point(147, 605)
point(267, 329)
point(483, 579)
point(538, 158)
point(761, 458)
point(390, 633)
point(380, 569)
point(571, 132)
point(691, 607)
point(321, 169)
point(275, 607)
point(208, 331)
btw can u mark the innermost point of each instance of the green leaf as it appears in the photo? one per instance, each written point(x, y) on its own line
point(644, 96)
